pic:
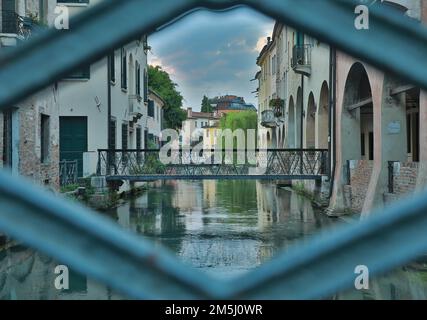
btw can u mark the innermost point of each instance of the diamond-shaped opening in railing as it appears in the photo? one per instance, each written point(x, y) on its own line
point(82, 102)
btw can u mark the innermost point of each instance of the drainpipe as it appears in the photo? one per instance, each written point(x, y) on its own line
point(302, 113)
point(108, 101)
point(332, 118)
point(109, 142)
point(302, 125)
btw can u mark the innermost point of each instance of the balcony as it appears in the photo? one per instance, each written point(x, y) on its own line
point(15, 27)
point(135, 108)
point(13, 23)
point(301, 59)
point(268, 119)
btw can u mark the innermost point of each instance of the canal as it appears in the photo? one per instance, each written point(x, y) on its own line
point(224, 228)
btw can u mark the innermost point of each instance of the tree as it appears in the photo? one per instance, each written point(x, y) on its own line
point(206, 106)
point(160, 82)
point(240, 120)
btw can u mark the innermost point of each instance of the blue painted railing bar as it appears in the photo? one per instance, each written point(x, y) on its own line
point(99, 248)
point(96, 246)
point(94, 34)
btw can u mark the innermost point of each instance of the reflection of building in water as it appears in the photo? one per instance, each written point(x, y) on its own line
point(279, 205)
point(284, 208)
point(209, 193)
point(402, 284)
point(188, 196)
point(29, 275)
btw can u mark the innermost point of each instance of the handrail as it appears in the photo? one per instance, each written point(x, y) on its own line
point(213, 150)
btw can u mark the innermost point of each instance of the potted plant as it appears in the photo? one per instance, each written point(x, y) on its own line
point(277, 104)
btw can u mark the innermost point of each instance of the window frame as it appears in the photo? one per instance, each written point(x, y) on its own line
point(44, 138)
point(124, 71)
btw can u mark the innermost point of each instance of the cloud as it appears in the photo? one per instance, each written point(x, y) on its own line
point(212, 53)
point(156, 61)
point(262, 41)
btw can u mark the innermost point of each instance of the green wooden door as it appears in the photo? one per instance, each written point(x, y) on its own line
point(73, 139)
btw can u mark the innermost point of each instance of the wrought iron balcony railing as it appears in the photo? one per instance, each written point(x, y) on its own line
point(301, 59)
point(13, 23)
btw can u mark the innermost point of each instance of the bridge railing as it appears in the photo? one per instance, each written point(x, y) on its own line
point(213, 162)
point(68, 172)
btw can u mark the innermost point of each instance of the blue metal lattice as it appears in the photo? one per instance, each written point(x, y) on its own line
point(100, 249)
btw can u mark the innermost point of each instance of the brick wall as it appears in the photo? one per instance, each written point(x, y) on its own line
point(30, 112)
point(405, 178)
point(424, 11)
point(360, 175)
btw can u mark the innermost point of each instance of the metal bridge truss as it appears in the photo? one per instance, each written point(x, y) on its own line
point(145, 165)
point(100, 249)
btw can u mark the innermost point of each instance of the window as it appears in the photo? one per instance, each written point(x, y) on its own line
point(7, 139)
point(138, 138)
point(151, 138)
point(112, 133)
point(146, 138)
point(138, 78)
point(125, 132)
point(124, 69)
point(138, 144)
point(44, 138)
point(362, 144)
point(81, 73)
point(408, 133)
point(151, 108)
point(371, 146)
point(112, 61)
point(145, 85)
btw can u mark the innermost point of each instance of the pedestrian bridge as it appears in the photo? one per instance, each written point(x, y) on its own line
point(202, 164)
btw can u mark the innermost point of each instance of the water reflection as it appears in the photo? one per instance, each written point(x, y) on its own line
point(225, 228)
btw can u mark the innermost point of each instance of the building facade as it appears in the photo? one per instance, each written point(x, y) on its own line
point(293, 90)
point(155, 119)
point(104, 105)
point(230, 104)
point(29, 130)
point(381, 133)
point(377, 144)
point(196, 127)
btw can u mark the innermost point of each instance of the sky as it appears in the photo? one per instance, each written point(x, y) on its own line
point(212, 53)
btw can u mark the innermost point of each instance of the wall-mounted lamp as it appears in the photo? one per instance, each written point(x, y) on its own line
point(98, 103)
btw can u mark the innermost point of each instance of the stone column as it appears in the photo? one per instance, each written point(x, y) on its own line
point(422, 170)
point(391, 143)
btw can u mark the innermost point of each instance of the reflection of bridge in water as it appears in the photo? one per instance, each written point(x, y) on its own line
point(198, 164)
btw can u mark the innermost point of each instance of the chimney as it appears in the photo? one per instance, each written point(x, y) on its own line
point(189, 112)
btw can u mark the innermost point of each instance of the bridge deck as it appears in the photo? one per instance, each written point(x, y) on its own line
point(272, 164)
point(155, 177)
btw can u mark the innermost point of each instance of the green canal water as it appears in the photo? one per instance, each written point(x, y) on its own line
point(224, 228)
